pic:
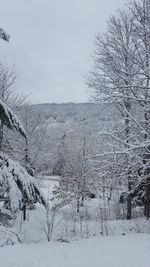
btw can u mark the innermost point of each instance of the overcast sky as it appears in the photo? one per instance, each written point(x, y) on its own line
point(51, 44)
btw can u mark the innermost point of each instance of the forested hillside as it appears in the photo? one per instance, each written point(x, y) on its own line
point(71, 123)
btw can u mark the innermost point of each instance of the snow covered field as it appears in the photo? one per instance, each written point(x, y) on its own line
point(120, 251)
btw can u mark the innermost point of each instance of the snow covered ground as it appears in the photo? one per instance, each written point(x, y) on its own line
point(126, 245)
point(68, 226)
point(120, 251)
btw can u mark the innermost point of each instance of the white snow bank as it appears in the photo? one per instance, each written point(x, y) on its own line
point(123, 251)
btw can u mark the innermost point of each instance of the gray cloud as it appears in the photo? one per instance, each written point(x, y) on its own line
point(51, 43)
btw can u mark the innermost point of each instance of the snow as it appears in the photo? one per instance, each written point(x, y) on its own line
point(10, 119)
point(48, 184)
point(70, 226)
point(124, 248)
point(124, 251)
point(8, 236)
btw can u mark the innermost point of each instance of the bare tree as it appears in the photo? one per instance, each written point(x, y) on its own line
point(29, 151)
point(75, 180)
point(113, 79)
point(141, 12)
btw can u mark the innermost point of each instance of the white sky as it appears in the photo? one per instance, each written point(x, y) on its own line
point(51, 44)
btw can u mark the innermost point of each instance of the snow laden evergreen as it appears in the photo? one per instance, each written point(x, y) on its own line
point(18, 189)
point(7, 117)
point(18, 186)
point(10, 119)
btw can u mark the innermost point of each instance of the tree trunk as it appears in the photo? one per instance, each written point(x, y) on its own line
point(24, 210)
point(129, 207)
point(78, 204)
point(129, 199)
point(147, 198)
point(1, 135)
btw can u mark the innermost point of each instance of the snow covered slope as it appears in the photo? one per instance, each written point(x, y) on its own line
point(122, 251)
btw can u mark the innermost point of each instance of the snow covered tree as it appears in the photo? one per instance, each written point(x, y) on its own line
point(29, 151)
point(75, 182)
point(17, 187)
point(7, 117)
point(121, 76)
point(10, 119)
point(61, 151)
point(141, 12)
point(12, 99)
point(113, 77)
